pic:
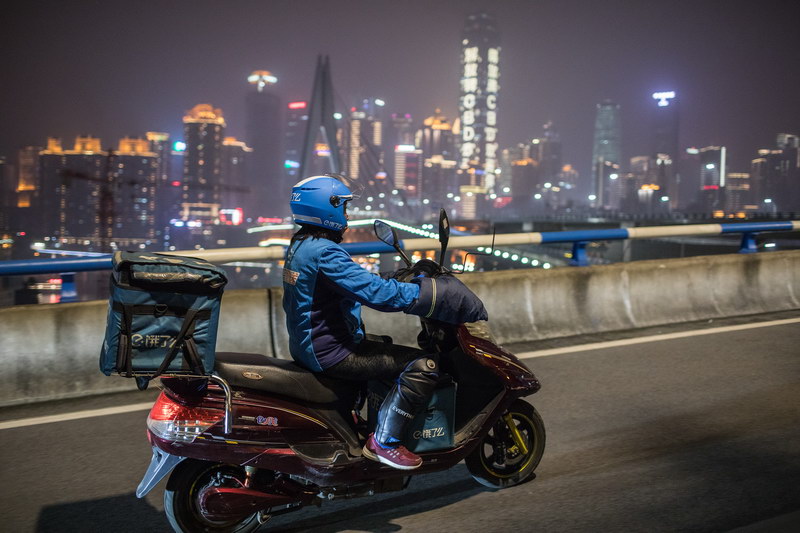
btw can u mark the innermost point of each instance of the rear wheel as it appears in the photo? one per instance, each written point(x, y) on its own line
point(512, 449)
point(183, 489)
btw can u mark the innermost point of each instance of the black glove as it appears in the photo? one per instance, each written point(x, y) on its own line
point(447, 299)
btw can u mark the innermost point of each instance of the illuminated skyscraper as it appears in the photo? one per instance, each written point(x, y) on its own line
point(265, 118)
point(480, 77)
point(296, 122)
point(437, 142)
point(235, 164)
point(776, 175)
point(713, 172)
point(70, 199)
point(480, 85)
point(607, 148)
point(665, 144)
point(28, 176)
point(136, 168)
point(665, 130)
point(365, 143)
point(547, 151)
point(203, 133)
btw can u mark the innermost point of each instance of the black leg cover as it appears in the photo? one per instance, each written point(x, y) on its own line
point(407, 398)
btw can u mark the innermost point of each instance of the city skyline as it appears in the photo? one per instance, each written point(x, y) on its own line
point(164, 64)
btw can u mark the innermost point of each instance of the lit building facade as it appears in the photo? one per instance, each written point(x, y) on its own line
point(294, 136)
point(235, 163)
point(201, 182)
point(547, 151)
point(525, 183)
point(479, 90)
point(665, 143)
point(365, 142)
point(713, 172)
point(27, 176)
point(264, 128)
point(408, 171)
point(136, 176)
point(71, 192)
point(607, 148)
point(437, 143)
point(737, 192)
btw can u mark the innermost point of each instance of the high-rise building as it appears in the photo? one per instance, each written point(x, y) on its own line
point(775, 175)
point(608, 194)
point(265, 118)
point(365, 142)
point(665, 143)
point(547, 151)
point(480, 85)
point(437, 142)
point(399, 130)
point(167, 186)
point(28, 183)
point(713, 167)
point(525, 183)
point(713, 172)
point(203, 133)
point(737, 192)
point(607, 146)
point(235, 162)
point(73, 208)
point(408, 171)
point(689, 171)
point(136, 175)
point(296, 122)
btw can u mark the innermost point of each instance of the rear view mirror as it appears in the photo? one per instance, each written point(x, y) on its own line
point(388, 235)
point(444, 233)
point(385, 233)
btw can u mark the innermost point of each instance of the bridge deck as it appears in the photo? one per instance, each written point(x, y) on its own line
point(690, 433)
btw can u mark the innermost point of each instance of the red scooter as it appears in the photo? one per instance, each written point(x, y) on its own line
point(263, 436)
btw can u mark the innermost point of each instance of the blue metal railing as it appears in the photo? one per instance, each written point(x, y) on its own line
point(579, 240)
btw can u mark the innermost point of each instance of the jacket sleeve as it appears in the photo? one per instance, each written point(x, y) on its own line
point(447, 299)
point(352, 281)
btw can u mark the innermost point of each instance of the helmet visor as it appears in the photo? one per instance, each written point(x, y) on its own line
point(355, 186)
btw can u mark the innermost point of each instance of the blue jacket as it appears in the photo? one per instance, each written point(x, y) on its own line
point(323, 290)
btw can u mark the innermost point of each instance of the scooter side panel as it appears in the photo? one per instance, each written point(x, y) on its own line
point(502, 363)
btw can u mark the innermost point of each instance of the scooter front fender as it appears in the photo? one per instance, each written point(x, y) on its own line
point(161, 464)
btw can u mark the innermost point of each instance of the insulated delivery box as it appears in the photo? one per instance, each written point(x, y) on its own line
point(162, 316)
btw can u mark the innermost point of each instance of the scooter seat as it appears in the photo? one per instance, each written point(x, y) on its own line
point(279, 376)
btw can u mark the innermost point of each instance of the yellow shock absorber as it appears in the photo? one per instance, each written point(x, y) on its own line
point(515, 434)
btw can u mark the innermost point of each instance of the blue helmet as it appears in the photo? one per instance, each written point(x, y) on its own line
point(320, 201)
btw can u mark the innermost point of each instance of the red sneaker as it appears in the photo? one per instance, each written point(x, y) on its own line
point(398, 457)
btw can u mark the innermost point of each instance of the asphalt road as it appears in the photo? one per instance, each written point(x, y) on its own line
point(699, 433)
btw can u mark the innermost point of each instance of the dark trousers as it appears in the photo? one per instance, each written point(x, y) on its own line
point(414, 371)
point(374, 360)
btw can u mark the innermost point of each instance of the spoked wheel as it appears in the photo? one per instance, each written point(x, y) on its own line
point(181, 497)
point(512, 449)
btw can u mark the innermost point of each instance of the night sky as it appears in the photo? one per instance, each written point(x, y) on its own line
point(112, 68)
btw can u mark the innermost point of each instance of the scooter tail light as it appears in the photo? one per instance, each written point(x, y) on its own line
point(172, 421)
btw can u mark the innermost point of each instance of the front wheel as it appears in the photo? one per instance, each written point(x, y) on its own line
point(512, 449)
point(181, 497)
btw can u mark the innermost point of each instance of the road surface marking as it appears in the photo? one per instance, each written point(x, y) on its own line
point(652, 338)
point(77, 415)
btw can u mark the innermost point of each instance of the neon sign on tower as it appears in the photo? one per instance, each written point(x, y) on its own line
point(480, 85)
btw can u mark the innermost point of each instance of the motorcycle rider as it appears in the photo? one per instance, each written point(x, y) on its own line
point(323, 293)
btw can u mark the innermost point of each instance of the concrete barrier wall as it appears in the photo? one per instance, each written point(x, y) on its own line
point(51, 351)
